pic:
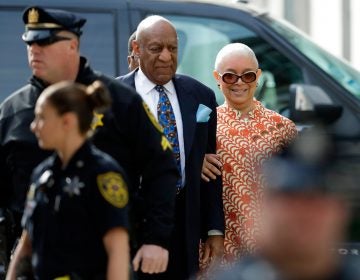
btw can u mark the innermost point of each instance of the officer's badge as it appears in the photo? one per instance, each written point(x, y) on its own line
point(33, 16)
point(73, 186)
point(113, 188)
point(97, 121)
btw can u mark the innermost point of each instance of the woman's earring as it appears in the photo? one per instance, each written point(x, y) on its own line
point(218, 86)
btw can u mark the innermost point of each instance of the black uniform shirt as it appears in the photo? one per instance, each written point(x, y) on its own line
point(127, 132)
point(68, 212)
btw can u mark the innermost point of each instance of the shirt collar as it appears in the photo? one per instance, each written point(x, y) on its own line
point(78, 158)
point(145, 86)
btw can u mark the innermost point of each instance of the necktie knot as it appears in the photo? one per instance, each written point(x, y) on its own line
point(159, 88)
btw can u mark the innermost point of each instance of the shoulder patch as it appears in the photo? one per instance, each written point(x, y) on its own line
point(113, 188)
point(152, 117)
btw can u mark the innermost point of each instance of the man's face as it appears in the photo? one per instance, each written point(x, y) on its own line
point(50, 62)
point(157, 50)
point(133, 61)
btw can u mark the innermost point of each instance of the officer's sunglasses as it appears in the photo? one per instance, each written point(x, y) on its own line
point(231, 78)
point(48, 41)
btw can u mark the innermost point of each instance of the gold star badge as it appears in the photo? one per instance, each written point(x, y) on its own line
point(97, 121)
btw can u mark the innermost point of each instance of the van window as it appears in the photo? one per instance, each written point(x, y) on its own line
point(200, 39)
point(14, 70)
point(338, 69)
point(98, 42)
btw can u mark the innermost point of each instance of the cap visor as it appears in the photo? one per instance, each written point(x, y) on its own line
point(36, 35)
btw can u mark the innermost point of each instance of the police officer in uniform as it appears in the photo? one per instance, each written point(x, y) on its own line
point(306, 215)
point(128, 132)
point(76, 216)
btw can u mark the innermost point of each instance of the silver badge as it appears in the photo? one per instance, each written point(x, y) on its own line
point(73, 186)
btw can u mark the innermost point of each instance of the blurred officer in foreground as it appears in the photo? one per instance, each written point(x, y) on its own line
point(305, 217)
point(128, 131)
point(75, 221)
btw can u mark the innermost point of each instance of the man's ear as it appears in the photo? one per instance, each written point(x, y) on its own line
point(136, 48)
point(74, 44)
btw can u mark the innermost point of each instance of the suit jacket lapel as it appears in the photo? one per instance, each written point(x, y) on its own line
point(188, 107)
point(129, 78)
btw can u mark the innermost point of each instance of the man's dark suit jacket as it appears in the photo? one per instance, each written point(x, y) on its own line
point(203, 201)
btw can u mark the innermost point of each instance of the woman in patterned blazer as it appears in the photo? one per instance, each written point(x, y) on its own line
point(247, 134)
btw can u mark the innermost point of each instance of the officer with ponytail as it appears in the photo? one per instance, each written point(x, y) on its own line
point(75, 219)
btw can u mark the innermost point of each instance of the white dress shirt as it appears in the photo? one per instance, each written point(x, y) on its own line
point(149, 94)
point(147, 90)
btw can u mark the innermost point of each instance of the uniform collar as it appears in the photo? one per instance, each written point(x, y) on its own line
point(40, 84)
point(77, 160)
point(84, 76)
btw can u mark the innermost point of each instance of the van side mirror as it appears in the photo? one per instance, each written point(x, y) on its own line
point(312, 104)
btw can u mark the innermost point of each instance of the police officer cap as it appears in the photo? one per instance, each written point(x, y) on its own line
point(43, 24)
point(288, 175)
point(307, 166)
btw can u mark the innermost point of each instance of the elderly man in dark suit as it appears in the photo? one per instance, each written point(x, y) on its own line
point(186, 109)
